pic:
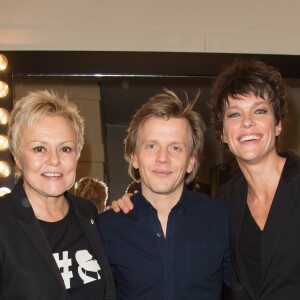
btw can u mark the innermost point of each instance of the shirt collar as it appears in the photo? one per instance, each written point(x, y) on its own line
point(143, 206)
point(185, 200)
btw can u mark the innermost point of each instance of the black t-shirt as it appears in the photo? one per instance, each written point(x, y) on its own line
point(76, 260)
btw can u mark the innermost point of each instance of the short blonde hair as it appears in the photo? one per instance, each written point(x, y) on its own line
point(167, 105)
point(34, 107)
point(92, 189)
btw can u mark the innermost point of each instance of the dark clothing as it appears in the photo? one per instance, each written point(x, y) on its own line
point(189, 263)
point(250, 249)
point(29, 270)
point(81, 271)
point(280, 240)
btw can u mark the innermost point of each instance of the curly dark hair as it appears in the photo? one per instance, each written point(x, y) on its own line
point(246, 77)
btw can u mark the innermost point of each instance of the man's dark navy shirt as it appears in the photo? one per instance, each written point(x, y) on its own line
point(190, 262)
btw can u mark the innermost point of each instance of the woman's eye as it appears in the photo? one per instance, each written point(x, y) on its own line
point(39, 149)
point(260, 111)
point(66, 149)
point(233, 115)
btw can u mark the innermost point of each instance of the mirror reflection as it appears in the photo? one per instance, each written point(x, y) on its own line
point(108, 104)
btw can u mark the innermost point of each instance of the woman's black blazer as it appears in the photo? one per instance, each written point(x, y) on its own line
point(280, 243)
point(27, 267)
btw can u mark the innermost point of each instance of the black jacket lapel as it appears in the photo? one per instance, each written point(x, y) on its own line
point(282, 207)
point(31, 227)
point(237, 210)
point(235, 193)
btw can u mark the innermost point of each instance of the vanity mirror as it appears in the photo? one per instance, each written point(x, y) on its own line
point(110, 86)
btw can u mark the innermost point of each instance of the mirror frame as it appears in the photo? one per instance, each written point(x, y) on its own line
point(136, 63)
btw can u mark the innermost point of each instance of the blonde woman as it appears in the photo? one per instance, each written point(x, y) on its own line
point(48, 235)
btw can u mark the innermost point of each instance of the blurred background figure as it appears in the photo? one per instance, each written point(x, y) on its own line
point(94, 190)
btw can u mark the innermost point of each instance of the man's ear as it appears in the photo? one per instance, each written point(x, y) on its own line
point(134, 161)
point(191, 164)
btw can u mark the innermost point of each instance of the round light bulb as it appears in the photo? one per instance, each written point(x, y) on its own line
point(4, 190)
point(5, 169)
point(4, 89)
point(4, 114)
point(3, 62)
point(3, 142)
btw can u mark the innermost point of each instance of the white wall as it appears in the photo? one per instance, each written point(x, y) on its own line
point(232, 26)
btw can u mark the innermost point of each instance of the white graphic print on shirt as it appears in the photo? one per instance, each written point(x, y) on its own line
point(88, 268)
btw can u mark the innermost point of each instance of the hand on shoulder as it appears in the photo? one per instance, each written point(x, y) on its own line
point(122, 204)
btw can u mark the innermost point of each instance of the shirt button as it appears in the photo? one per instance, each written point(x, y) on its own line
point(159, 235)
